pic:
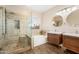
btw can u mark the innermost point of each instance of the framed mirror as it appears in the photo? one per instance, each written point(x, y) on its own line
point(73, 18)
point(57, 21)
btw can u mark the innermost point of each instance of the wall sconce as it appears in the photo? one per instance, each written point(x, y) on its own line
point(35, 26)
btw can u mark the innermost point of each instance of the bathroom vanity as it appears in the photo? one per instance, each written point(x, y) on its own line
point(71, 42)
point(54, 38)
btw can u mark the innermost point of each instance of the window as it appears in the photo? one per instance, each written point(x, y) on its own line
point(35, 22)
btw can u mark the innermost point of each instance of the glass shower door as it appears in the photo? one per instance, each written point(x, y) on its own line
point(12, 31)
point(18, 33)
point(2, 27)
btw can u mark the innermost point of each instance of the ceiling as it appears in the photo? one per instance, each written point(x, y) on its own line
point(25, 9)
point(20, 9)
point(41, 8)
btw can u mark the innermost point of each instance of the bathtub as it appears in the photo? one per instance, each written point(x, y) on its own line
point(38, 40)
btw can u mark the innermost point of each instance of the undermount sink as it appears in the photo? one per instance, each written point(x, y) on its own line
point(71, 34)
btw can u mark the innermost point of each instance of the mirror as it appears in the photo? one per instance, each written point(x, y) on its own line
point(57, 21)
point(73, 18)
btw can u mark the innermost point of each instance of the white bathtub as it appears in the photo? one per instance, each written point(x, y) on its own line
point(38, 40)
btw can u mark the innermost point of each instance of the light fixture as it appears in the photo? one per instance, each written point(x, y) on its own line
point(69, 9)
point(59, 13)
point(74, 8)
point(64, 11)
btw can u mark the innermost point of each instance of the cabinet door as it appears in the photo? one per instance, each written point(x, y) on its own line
point(54, 38)
point(71, 43)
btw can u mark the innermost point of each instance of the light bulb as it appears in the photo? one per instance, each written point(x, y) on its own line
point(74, 8)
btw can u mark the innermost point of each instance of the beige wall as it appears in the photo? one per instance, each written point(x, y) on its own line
point(24, 26)
point(39, 15)
point(47, 21)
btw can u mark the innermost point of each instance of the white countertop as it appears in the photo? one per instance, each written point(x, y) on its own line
point(55, 32)
point(71, 34)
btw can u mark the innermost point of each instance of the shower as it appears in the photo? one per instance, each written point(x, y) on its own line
point(11, 39)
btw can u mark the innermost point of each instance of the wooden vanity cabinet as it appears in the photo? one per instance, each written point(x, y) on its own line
point(71, 43)
point(54, 38)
